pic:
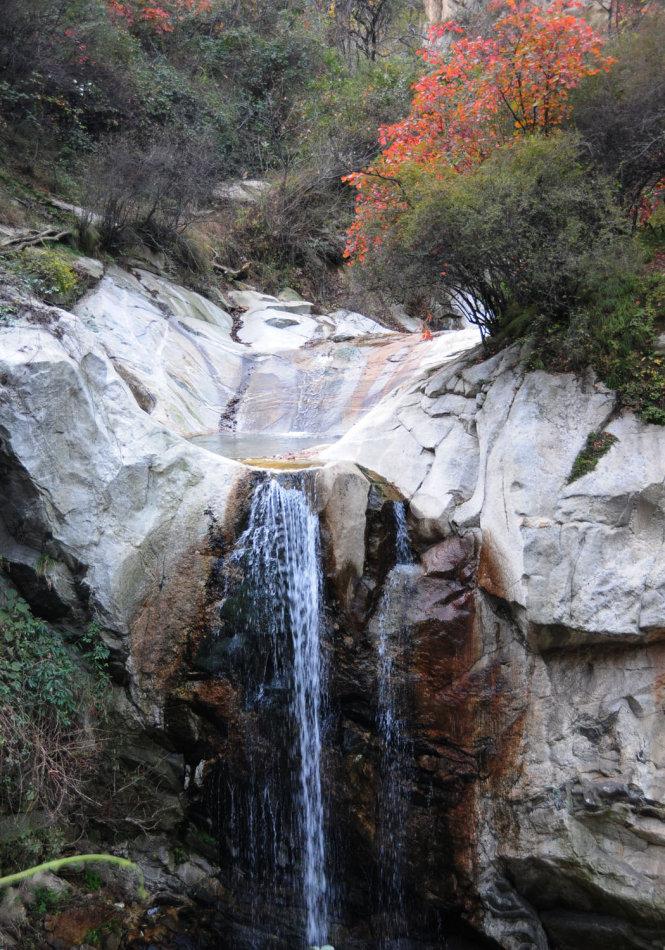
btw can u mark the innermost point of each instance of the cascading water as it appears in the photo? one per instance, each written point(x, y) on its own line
point(300, 569)
point(283, 838)
point(272, 807)
point(403, 552)
point(393, 803)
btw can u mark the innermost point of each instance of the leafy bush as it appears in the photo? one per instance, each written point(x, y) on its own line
point(511, 240)
point(92, 881)
point(64, 69)
point(251, 81)
point(615, 333)
point(47, 901)
point(621, 114)
point(47, 741)
point(342, 108)
point(38, 672)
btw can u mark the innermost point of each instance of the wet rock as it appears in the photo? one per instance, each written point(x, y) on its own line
point(448, 558)
point(342, 493)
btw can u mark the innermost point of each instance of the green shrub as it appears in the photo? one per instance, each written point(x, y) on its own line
point(32, 841)
point(47, 901)
point(49, 274)
point(341, 108)
point(615, 333)
point(91, 880)
point(38, 673)
point(514, 239)
point(47, 740)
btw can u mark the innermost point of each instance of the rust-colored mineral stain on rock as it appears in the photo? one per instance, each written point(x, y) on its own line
point(71, 927)
point(490, 574)
point(464, 708)
point(448, 558)
point(657, 655)
point(177, 613)
point(215, 694)
point(172, 618)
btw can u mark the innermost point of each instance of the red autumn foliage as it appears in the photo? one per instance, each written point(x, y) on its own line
point(160, 17)
point(650, 201)
point(478, 95)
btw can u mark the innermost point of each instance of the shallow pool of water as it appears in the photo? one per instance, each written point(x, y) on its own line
point(259, 446)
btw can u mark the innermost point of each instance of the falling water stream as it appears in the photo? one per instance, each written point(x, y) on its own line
point(274, 809)
point(392, 801)
point(273, 816)
point(288, 512)
point(403, 553)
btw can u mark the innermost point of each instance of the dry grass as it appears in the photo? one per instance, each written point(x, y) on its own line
point(43, 765)
point(12, 213)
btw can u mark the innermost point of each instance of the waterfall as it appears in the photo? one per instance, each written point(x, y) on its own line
point(280, 849)
point(403, 553)
point(275, 805)
point(391, 719)
point(300, 568)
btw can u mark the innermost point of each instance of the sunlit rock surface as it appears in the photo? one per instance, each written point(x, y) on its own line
point(90, 479)
point(272, 366)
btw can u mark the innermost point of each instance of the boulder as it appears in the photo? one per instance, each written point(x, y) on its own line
point(246, 191)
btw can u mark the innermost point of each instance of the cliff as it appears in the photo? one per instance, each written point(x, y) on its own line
point(534, 613)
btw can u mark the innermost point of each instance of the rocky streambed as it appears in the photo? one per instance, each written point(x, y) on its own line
point(457, 742)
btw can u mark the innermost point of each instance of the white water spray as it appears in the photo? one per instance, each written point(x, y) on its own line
point(402, 544)
point(284, 561)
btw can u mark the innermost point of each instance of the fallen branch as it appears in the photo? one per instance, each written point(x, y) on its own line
point(32, 238)
point(58, 863)
point(229, 272)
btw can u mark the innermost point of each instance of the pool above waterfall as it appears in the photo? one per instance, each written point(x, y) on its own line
point(284, 447)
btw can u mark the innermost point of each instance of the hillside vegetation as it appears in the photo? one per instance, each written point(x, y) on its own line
point(511, 164)
point(137, 111)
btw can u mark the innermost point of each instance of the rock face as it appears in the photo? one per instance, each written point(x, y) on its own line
point(546, 710)
point(274, 366)
point(530, 660)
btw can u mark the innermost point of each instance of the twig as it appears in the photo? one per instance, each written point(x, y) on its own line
point(32, 238)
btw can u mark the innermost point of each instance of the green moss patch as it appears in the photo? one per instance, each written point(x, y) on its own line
point(597, 445)
point(49, 274)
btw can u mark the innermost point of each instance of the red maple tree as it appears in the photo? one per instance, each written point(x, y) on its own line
point(479, 94)
point(161, 16)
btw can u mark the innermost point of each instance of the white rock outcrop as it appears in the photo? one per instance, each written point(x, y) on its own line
point(91, 480)
point(483, 445)
point(274, 366)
